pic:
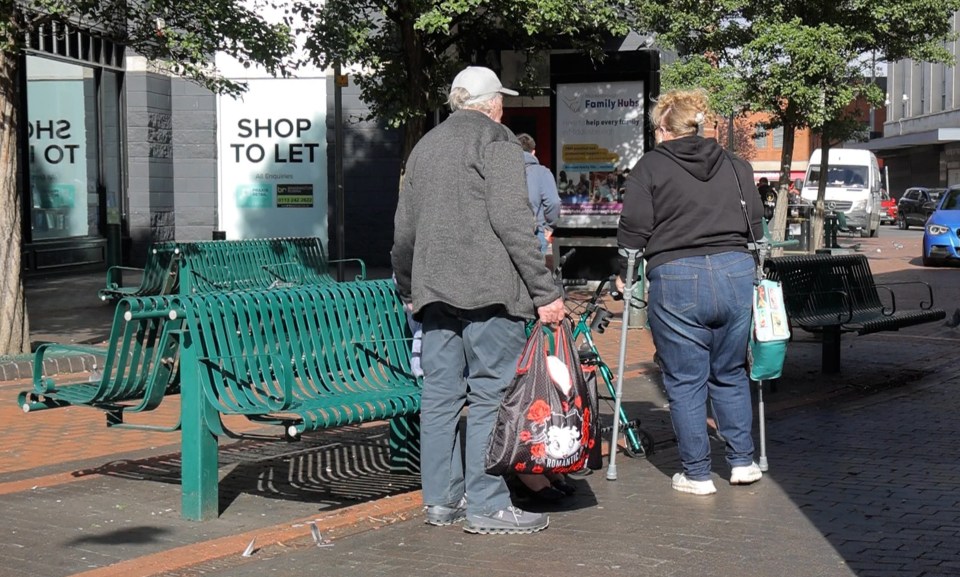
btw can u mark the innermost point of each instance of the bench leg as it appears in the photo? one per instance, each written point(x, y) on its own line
point(405, 445)
point(199, 477)
point(830, 355)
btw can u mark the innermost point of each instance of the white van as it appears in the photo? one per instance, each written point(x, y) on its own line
point(853, 187)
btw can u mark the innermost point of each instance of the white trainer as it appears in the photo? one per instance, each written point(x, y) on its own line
point(745, 475)
point(684, 485)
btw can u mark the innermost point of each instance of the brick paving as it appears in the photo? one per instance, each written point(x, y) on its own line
point(863, 480)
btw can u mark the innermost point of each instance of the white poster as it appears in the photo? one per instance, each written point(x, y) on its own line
point(273, 160)
point(599, 137)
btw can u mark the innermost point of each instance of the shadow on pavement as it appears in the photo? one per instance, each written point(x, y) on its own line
point(125, 536)
point(330, 469)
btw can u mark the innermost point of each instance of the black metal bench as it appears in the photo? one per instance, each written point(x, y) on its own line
point(306, 358)
point(833, 294)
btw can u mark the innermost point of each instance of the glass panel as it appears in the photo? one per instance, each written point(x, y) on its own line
point(953, 200)
point(64, 167)
point(840, 175)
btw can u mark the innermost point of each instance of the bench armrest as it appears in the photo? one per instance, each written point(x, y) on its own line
point(44, 385)
point(363, 266)
point(111, 272)
point(924, 305)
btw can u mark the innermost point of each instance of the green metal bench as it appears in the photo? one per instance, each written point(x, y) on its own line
point(224, 265)
point(305, 358)
point(229, 265)
point(157, 277)
point(788, 243)
point(833, 294)
point(139, 365)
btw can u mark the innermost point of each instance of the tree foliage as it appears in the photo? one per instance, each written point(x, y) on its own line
point(407, 51)
point(802, 61)
point(723, 83)
point(184, 35)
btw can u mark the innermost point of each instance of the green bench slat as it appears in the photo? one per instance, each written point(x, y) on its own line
point(331, 355)
point(252, 264)
point(307, 357)
point(138, 363)
point(226, 265)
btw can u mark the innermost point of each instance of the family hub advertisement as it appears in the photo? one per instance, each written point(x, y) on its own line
point(599, 137)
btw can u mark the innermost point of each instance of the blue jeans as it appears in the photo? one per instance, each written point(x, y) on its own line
point(699, 314)
point(467, 356)
point(542, 238)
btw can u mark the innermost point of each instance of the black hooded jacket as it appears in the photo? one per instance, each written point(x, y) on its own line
point(682, 200)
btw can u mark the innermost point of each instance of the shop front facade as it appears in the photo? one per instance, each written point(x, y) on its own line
point(70, 147)
point(116, 154)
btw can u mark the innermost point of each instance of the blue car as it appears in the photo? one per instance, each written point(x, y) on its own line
point(941, 234)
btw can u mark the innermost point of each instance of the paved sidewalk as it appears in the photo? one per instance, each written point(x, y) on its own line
point(863, 479)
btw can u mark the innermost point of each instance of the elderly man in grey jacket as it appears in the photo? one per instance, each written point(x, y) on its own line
point(468, 263)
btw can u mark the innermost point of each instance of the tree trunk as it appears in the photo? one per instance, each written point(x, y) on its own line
point(816, 216)
point(14, 328)
point(413, 54)
point(778, 226)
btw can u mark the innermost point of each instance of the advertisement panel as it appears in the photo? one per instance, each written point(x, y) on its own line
point(599, 136)
point(273, 159)
point(58, 158)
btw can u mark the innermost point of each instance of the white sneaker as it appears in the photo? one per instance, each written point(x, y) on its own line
point(684, 485)
point(745, 475)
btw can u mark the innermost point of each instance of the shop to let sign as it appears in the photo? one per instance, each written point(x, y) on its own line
point(273, 159)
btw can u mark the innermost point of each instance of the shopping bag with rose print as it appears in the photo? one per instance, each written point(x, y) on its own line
point(545, 423)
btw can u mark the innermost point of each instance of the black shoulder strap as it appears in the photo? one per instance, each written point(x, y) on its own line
point(746, 218)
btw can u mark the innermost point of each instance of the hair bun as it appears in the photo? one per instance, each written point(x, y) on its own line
point(699, 118)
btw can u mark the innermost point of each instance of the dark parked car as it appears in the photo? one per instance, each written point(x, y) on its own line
point(916, 205)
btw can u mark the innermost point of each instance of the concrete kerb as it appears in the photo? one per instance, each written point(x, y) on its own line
point(268, 541)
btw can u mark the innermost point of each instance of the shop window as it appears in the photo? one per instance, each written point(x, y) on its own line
point(63, 152)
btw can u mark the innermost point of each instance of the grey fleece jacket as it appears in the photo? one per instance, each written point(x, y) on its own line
point(463, 232)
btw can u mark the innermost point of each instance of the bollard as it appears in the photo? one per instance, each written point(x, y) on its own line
point(830, 230)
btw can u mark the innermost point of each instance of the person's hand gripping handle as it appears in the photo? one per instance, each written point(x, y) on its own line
point(552, 313)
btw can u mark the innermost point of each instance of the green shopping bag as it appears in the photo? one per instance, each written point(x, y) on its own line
point(769, 331)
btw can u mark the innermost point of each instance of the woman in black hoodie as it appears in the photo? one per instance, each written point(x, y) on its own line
point(682, 208)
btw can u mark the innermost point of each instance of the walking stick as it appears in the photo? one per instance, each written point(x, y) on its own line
point(631, 254)
point(763, 429)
